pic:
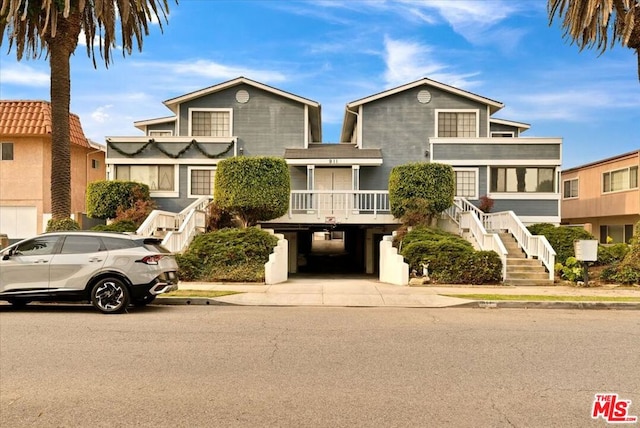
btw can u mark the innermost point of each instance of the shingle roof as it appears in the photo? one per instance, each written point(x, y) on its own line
point(30, 118)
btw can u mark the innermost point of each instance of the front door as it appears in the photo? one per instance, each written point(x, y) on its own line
point(334, 180)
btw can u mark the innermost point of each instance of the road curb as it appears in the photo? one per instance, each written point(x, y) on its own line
point(514, 304)
point(190, 301)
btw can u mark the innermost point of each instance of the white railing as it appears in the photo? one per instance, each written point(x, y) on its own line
point(534, 246)
point(180, 228)
point(340, 202)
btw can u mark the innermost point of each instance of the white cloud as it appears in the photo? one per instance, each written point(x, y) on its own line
point(101, 113)
point(213, 70)
point(409, 61)
point(21, 74)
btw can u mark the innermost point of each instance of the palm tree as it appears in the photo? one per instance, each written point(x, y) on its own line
point(588, 23)
point(52, 27)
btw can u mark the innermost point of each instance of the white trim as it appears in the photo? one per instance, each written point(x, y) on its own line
point(506, 162)
point(513, 135)
point(213, 110)
point(359, 127)
point(183, 140)
point(175, 102)
point(156, 161)
point(455, 110)
point(306, 126)
point(197, 168)
point(554, 141)
point(335, 162)
point(533, 196)
point(492, 103)
point(140, 124)
point(477, 174)
point(149, 132)
point(518, 125)
point(562, 189)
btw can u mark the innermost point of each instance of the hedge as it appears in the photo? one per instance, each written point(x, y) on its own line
point(105, 197)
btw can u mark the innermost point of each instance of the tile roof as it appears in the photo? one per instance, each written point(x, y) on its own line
point(29, 118)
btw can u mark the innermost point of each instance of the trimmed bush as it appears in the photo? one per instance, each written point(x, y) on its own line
point(561, 238)
point(62, 225)
point(452, 260)
point(628, 270)
point(104, 198)
point(253, 188)
point(117, 226)
point(420, 191)
point(227, 255)
point(218, 218)
point(609, 254)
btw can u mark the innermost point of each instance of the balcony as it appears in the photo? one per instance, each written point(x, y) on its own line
point(338, 207)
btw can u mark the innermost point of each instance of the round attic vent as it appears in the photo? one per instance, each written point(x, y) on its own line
point(424, 96)
point(242, 96)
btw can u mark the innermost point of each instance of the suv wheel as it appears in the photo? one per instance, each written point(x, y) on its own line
point(110, 296)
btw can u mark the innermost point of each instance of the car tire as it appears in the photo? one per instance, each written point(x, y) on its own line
point(19, 303)
point(110, 296)
point(144, 300)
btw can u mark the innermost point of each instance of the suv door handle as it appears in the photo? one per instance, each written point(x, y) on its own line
point(41, 261)
point(94, 259)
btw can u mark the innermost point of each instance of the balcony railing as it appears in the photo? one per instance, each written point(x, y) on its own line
point(339, 203)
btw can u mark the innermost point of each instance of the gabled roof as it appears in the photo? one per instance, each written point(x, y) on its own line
point(493, 104)
point(520, 125)
point(173, 102)
point(141, 124)
point(351, 108)
point(33, 118)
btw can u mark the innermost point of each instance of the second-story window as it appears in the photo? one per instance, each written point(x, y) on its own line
point(620, 179)
point(6, 151)
point(570, 188)
point(457, 124)
point(522, 180)
point(160, 133)
point(215, 123)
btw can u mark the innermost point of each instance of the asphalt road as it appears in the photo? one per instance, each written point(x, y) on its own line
point(212, 366)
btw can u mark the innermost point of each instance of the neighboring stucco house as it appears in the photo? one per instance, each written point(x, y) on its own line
point(603, 197)
point(340, 191)
point(25, 167)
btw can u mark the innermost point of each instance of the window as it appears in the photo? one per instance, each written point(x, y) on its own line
point(457, 124)
point(40, 246)
point(201, 181)
point(6, 151)
point(570, 188)
point(157, 177)
point(621, 179)
point(522, 179)
point(81, 244)
point(466, 183)
point(616, 233)
point(215, 123)
point(95, 163)
point(161, 133)
point(502, 134)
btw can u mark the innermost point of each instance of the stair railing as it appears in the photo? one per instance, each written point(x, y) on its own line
point(180, 228)
point(486, 241)
point(534, 246)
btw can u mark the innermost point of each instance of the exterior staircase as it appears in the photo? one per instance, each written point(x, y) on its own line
point(521, 270)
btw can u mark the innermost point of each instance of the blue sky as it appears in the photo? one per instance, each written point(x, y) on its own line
point(334, 52)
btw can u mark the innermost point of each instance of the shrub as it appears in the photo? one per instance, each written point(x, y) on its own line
point(105, 197)
point(610, 254)
point(117, 226)
point(451, 259)
point(486, 204)
point(253, 188)
point(561, 238)
point(227, 255)
point(61, 225)
point(420, 188)
point(572, 270)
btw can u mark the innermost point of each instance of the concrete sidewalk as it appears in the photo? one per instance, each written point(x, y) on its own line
point(368, 292)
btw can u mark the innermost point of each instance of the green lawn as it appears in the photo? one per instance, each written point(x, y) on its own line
point(544, 298)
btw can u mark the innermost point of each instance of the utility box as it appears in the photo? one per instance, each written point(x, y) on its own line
point(586, 250)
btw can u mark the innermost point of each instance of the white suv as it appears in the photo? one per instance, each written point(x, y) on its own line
point(111, 270)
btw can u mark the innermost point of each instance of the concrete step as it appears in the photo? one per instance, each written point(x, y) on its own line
point(532, 282)
point(527, 275)
point(524, 268)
